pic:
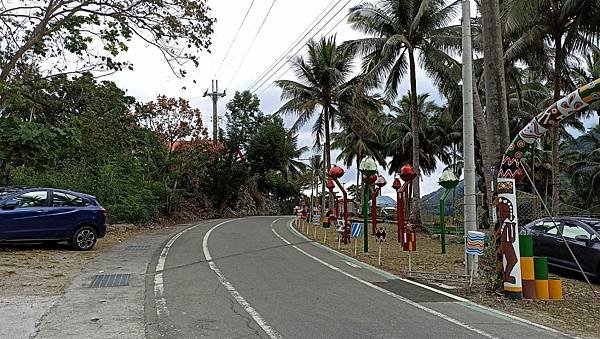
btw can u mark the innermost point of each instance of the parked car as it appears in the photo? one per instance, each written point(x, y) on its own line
point(47, 214)
point(387, 213)
point(582, 235)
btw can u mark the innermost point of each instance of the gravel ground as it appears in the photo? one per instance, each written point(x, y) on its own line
point(45, 269)
point(572, 315)
point(33, 277)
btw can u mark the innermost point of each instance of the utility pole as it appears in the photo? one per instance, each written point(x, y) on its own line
point(470, 200)
point(215, 95)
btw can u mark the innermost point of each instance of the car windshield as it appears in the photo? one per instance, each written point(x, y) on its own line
point(5, 191)
point(595, 224)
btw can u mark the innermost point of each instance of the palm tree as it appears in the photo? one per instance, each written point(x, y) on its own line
point(355, 146)
point(585, 169)
point(324, 90)
point(399, 31)
point(569, 27)
point(294, 167)
point(397, 134)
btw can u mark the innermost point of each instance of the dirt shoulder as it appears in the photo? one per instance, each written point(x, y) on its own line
point(576, 314)
point(45, 270)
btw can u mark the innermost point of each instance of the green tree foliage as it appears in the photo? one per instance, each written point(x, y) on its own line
point(243, 114)
point(80, 134)
point(397, 32)
point(57, 31)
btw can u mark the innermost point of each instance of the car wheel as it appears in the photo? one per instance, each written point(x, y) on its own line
point(84, 239)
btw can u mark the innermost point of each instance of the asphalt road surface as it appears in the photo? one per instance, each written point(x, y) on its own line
point(256, 277)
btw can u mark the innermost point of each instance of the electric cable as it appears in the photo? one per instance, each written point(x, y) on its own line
point(296, 41)
point(235, 37)
point(252, 43)
point(298, 51)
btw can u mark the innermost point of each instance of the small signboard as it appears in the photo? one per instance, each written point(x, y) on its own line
point(475, 242)
point(315, 219)
point(380, 234)
point(356, 229)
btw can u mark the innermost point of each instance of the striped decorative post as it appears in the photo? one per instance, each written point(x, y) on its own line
point(527, 268)
point(507, 223)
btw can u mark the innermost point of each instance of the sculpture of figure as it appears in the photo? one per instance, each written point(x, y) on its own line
point(504, 212)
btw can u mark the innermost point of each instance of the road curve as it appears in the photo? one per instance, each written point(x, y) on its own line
point(255, 277)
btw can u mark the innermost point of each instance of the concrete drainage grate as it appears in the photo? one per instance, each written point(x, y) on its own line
point(137, 247)
point(110, 280)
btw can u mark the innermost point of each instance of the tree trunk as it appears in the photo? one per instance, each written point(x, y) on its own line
point(328, 151)
point(479, 118)
point(415, 128)
point(554, 135)
point(495, 86)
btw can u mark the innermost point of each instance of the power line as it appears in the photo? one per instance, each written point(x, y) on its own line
point(290, 67)
point(283, 64)
point(235, 37)
point(252, 43)
point(295, 42)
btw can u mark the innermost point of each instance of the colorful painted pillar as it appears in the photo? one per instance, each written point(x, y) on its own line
point(507, 222)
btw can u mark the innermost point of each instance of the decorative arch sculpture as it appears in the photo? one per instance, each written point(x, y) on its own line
point(506, 208)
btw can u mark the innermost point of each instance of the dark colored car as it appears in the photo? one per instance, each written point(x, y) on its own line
point(46, 214)
point(582, 235)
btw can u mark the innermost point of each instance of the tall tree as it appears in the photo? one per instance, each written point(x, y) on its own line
point(399, 31)
point(52, 32)
point(569, 27)
point(397, 134)
point(495, 84)
point(324, 90)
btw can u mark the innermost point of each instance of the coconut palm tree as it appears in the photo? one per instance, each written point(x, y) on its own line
point(399, 31)
point(569, 27)
point(294, 167)
point(397, 134)
point(325, 91)
point(355, 146)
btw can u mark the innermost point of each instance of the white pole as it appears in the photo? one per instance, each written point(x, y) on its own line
point(355, 241)
point(470, 201)
point(379, 258)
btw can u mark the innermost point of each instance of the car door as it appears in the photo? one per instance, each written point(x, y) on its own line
point(545, 237)
point(27, 219)
point(582, 251)
point(63, 216)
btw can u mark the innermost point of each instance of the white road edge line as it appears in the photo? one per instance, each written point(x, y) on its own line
point(272, 333)
point(159, 287)
point(391, 294)
point(465, 302)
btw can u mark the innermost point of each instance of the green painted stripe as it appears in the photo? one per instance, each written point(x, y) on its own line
point(540, 266)
point(526, 245)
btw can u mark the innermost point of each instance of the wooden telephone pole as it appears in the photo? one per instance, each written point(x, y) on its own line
point(215, 95)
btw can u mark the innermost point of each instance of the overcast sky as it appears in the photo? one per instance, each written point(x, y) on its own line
point(285, 23)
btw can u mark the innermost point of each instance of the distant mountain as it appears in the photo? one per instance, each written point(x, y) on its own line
point(431, 202)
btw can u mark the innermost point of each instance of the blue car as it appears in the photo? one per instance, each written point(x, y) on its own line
point(47, 214)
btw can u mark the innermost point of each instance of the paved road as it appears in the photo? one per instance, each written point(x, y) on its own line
point(263, 280)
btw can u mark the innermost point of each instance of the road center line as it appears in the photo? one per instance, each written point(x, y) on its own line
point(391, 294)
point(272, 333)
